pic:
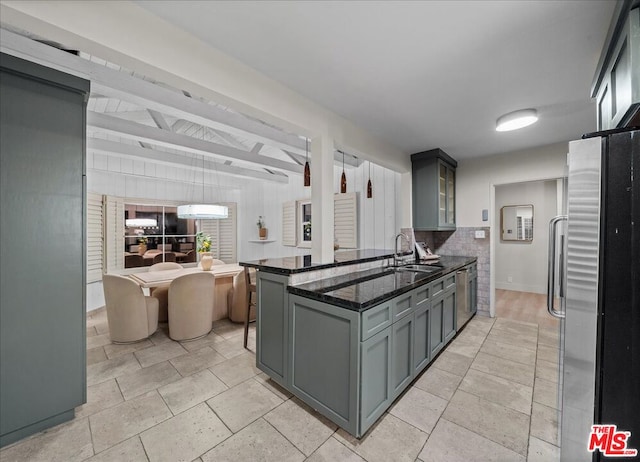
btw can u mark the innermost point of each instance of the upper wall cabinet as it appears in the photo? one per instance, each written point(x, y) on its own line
point(434, 191)
point(617, 82)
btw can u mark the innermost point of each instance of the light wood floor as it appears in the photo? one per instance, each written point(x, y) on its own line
point(524, 306)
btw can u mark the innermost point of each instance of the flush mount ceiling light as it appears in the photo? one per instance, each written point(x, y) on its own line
point(517, 119)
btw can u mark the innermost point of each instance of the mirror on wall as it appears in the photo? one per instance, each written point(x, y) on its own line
point(516, 223)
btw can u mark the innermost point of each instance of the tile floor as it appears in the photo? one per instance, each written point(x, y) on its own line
point(491, 396)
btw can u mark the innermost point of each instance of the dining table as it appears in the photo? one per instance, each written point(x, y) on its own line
point(223, 274)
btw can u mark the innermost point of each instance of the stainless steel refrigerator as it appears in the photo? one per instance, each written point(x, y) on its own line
point(594, 272)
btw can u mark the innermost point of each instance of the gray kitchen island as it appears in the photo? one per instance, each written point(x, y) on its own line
point(348, 337)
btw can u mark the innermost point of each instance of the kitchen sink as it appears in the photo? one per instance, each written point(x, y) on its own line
point(416, 268)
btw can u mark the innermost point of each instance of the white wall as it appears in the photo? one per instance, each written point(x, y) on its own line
point(522, 261)
point(475, 178)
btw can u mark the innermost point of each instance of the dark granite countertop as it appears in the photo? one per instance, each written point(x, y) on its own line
point(299, 264)
point(362, 290)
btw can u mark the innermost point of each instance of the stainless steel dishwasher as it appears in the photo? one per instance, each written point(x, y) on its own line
point(463, 312)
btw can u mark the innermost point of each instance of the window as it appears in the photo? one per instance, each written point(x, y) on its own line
point(155, 234)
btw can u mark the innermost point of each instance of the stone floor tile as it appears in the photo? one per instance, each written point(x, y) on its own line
point(419, 408)
point(157, 354)
point(91, 331)
point(264, 379)
point(510, 370)
point(111, 368)
point(498, 390)
point(391, 439)
point(185, 436)
point(511, 352)
point(236, 370)
point(161, 335)
point(259, 442)
point(464, 347)
point(113, 349)
point(68, 442)
point(189, 391)
point(208, 340)
point(102, 327)
point(231, 347)
point(121, 422)
point(547, 371)
point(502, 425)
point(244, 403)
point(228, 329)
point(95, 355)
point(544, 423)
point(333, 451)
point(197, 360)
point(453, 362)
point(452, 443)
point(438, 382)
point(301, 425)
point(549, 336)
point(541, 451)
point(130, 450)
point(546, 392)
point(147, 379)
point(518, 340)
point(99, 397)
point(548, 353)
point(98, 341)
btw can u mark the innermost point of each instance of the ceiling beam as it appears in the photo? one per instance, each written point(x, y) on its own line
point(139, 132)
point(115, 149)
point(159, 119)
point(116, 84)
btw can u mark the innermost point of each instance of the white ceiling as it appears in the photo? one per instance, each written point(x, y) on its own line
point(421, 75)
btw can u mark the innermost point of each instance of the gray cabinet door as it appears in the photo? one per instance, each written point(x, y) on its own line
point(375, 379)
point(272, 326)
point(421, 345)
point(449, 315)
point(402, 354)
point(42, 272)
point(433, 183)
point(436, 334)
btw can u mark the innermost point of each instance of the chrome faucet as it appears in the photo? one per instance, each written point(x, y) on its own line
point(396, 258)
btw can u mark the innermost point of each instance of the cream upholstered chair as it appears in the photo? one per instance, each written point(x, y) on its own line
point(237, 298)
point(191, 299)
point(131, 315)
point(162, 292)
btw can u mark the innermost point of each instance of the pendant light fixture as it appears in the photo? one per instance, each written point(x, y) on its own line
point(369, 187)
point(307, 168)
point(203, 211)
point(343, 179)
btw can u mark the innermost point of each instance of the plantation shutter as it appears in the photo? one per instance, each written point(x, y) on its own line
point(114, 233)
point(345, 220)
point(289, 223)
point(95, 240)
point(223, 234)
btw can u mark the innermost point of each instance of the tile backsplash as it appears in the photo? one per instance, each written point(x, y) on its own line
point(462, 241)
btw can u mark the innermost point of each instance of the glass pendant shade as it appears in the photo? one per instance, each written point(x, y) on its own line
point(369, 189)
point(307, 174)
point(203, 211)
point(343, 178)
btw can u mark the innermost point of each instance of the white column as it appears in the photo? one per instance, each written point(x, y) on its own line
point(322, 199)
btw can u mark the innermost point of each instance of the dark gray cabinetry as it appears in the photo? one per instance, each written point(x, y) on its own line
point(346, 364)
point(434, 189)
point(617, 83)
point(376, 375)
point(42, 270)
point(273, 318)
point(472, 290)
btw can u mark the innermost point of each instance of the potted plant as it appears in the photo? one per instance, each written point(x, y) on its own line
point(142, 244)
point(262, 231)
point(204, 250)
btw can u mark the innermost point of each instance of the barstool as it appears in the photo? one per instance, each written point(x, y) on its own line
point(251, 301)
